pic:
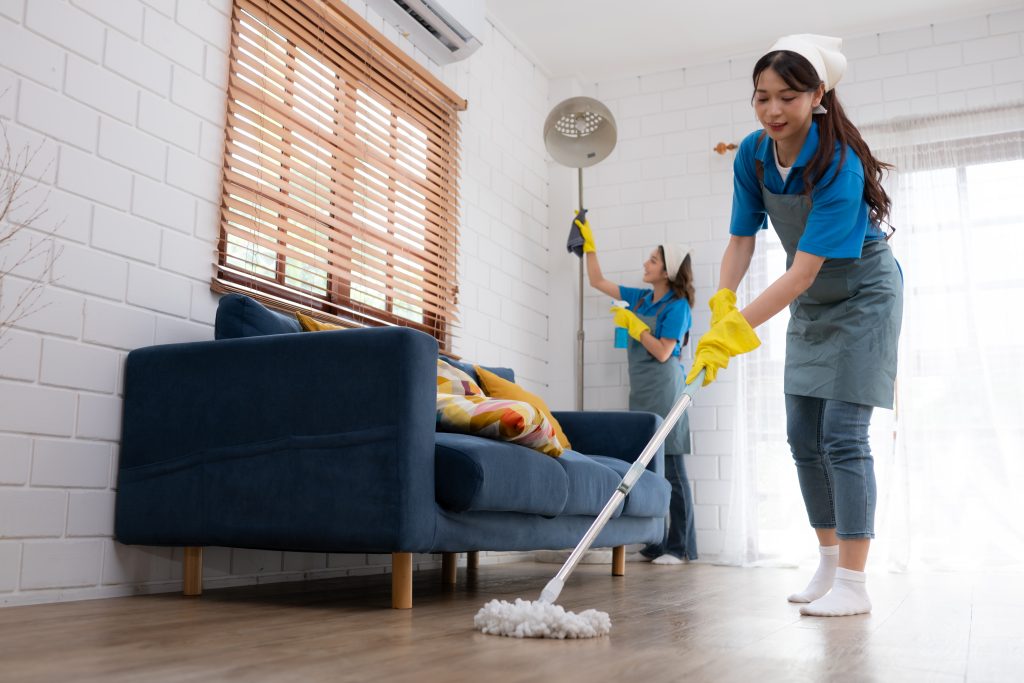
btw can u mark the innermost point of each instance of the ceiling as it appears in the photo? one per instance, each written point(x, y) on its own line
point(599, 39)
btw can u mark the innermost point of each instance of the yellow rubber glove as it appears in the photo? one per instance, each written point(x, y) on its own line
point(588, 236)
point(628, 319)
point(732, 336)
point(721, 303)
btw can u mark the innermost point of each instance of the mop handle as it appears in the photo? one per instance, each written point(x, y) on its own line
point(630, 478)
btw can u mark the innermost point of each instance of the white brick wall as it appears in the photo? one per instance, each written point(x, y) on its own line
point(664, 182)
point(126, 107)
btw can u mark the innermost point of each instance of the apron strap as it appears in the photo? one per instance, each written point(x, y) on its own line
point(759, 170)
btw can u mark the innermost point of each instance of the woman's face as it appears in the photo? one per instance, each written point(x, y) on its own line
point(784, 112)
point(654, 268)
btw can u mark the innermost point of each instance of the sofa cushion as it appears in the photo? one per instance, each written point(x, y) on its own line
point(469, 369)
point(496, 386)
point(242, 316)
point(650, 494)
point(476, 474)
point(591, 484)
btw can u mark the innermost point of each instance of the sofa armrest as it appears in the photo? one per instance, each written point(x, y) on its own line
point(620, 434)
point(280, 440)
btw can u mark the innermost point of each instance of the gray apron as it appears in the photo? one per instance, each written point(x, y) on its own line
point(844, 330)
point(654, 387)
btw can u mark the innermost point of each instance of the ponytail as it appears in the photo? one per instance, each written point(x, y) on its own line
point(834, 126)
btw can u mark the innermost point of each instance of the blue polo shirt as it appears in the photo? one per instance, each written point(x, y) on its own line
point(673, 321)
point(838, 224)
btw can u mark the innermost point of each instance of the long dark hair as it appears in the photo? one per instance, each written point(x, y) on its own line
point(833, 127)
point(681, 284)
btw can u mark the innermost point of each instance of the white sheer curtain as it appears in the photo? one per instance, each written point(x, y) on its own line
point(950, 459)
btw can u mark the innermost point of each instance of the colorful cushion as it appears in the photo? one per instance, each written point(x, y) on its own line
point(498, 387)
point(514, 421)
point(313, 325)
point(451, 380)
point(463, 408)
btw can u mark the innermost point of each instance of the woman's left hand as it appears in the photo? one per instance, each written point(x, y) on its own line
point(587, 234)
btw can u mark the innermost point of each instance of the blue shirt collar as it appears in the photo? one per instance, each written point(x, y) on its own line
point(668, 295)
point(764, 149)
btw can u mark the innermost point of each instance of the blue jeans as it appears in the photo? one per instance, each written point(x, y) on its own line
point(680, 537)
point(829, 441)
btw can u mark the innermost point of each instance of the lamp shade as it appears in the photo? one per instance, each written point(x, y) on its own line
point(579, 132)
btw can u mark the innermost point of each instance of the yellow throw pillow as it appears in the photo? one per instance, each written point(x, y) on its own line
point(314, 325)
point(499, 387)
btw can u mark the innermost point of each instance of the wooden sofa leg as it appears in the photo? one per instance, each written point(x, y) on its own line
point(401, 580)
point(619, 560)
point(192, 571)
point(449, 568)
point(472, 560)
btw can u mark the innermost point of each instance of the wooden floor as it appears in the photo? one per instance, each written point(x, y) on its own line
point(697, 622)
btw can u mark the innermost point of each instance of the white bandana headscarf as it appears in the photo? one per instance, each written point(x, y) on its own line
point(674, 256)
point(821, 51)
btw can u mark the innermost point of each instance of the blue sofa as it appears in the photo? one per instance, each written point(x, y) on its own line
point(272, 438)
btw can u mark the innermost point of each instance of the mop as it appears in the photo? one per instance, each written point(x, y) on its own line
point(543, 618)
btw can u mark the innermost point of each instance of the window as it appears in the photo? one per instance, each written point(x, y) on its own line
point(340, 174)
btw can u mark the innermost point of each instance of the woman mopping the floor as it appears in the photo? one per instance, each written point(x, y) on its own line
point(658, 321)
point(811, 172)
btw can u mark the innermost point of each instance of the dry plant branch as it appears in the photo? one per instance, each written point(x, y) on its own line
point(25, 251)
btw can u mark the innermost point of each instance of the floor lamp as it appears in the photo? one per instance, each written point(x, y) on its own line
point(579, 132)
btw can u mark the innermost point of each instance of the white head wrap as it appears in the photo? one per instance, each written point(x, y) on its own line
point(821, 51)
point(675, 254)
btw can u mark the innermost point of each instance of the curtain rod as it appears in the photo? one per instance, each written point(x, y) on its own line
point(907, 122)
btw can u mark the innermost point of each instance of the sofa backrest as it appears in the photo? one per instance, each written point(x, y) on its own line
point(242, 316)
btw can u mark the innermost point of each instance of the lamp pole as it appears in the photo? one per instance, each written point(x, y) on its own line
point(580, 334)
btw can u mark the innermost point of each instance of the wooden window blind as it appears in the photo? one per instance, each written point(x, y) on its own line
point(340, 188)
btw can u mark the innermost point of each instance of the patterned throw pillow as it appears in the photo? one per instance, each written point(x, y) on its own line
point(493, 418)
point(463, 408)
point(451, 380)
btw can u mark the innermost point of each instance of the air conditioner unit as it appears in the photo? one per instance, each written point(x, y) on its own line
point(445, 30)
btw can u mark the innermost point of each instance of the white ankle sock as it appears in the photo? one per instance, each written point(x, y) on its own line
point(823, 578)
point(849, 595)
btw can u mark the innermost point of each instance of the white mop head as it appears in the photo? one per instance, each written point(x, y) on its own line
point(529, 619)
